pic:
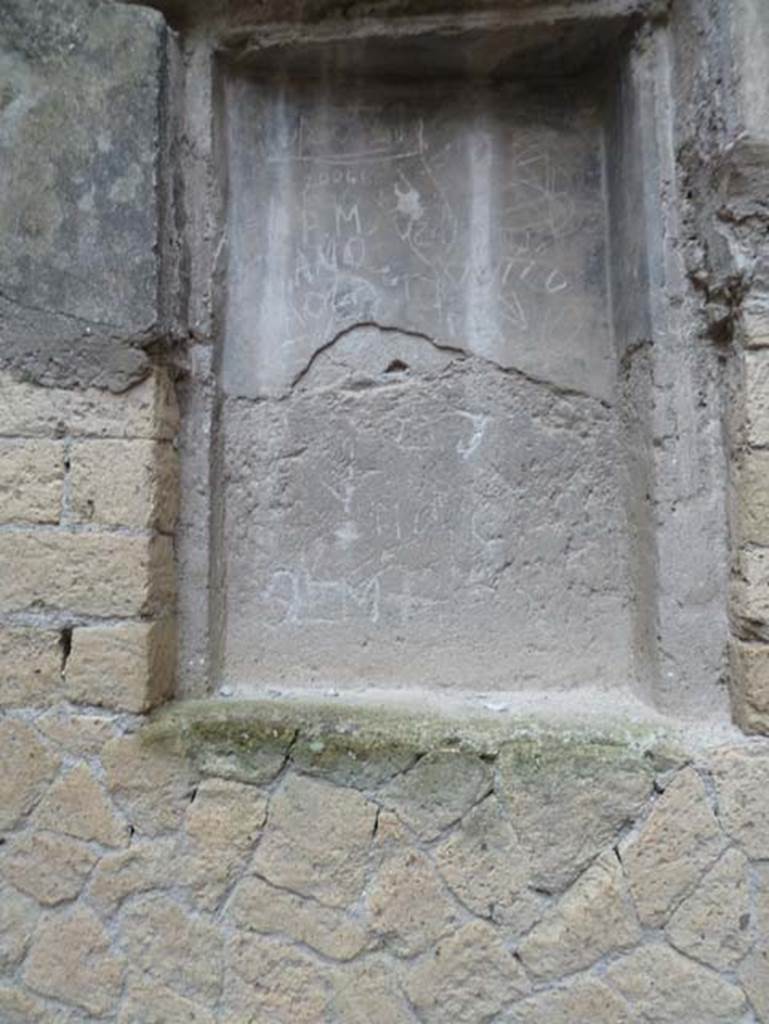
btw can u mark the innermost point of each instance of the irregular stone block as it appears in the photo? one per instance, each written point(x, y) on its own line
point(568, 800)
point(87, 573)
point(30, 666)
point(146, 1002)
point(749, 591)
point(753, 972)
point(171, 946)
point(333, 757)
point(469, 977)
point(407, 905)
point(754, 316)
point(270, 980)
point(145, 866)
point(77, 805)
point(31, 475)
point(713, 924)
point(124, 483)
point(367, 993)
point(257, 906)
point(152, 787)
point(661, 985)
point(742, 785)
point(50, 867)
point(129, 667)
point(81, 206)
point(751, 498)
point(750, 42)
point(71, 959)
point(437, 791)
point(749, 685)
point(77, 735)
point(584, 1001)
point(27, 765)
point(147, 410)
point(595, 917)
point(756, 397)
point(222, 824)
point(18, 917)
point(317, 840)
point(19, 1007)
point(488, 869)
point(676, 844)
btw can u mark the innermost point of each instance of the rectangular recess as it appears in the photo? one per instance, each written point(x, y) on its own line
point(419, 446)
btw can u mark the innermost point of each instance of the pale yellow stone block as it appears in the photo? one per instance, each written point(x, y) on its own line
point(595, 917)
point(749, 685)
point(27, 765)
point(756, 397)
point(755, 324)
point(274, 981)
point(487, 867)
point(317, 840)
point(18, 917)
point(77, 735)
point(584, 1001)
point(753, 972)
point(679, 840)
point(88, 573)
point(222, 825)
point(147, 410)
point(367, 993)
point(124, 483)
point(152, 787)
point(711, 925)
point(143, 866)
point(31, 476)
point(408, 907)
point(76, 805)
point(128, 667)
point(749, 591)
point(663, 986)
point(50, 867)
point(19, 1007)
point(71, 960)
point(163, 941)
point(467, 978)
point(147, 1002)
point(742, 785)
point(259, 907)
point(30, 666)
point(751, 499)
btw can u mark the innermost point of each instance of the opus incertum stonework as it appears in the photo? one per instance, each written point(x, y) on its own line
point(384, 512)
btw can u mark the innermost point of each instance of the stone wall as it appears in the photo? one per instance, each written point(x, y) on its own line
point(294, 863)
point(309, 860)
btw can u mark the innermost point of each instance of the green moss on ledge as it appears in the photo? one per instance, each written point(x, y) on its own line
point(365, 743)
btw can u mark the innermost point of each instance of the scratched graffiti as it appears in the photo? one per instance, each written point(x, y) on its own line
point(475, 218)
point(443, 522)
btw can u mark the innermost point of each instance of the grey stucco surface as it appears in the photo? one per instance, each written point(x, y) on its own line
point(420, 456)
point(471, 215)
point(81, 142)
point(418, 516)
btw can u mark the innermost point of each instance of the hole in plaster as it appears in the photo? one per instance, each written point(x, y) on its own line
point(65, 645)
point(396, 366)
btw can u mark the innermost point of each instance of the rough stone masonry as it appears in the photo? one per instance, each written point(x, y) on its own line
point(384, 512)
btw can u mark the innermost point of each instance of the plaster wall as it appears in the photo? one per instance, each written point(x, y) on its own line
point(421, 457)
point(407, 858)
